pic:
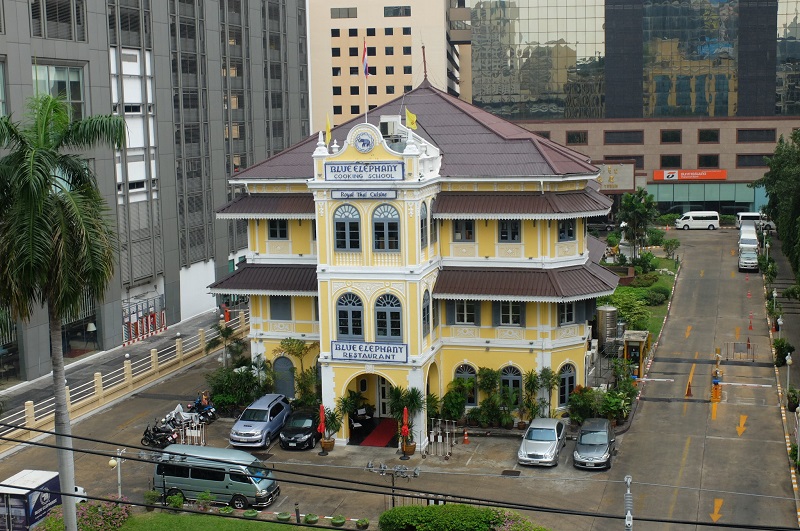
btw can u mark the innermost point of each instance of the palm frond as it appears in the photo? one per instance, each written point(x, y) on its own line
point(106, 129)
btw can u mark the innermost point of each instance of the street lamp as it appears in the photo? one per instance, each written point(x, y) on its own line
point(780, 325)
point(766, 246)
point(117, 463)
point(788, 370)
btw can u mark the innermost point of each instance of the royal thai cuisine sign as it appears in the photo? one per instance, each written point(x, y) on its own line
point(369, 352)
point(364, 171)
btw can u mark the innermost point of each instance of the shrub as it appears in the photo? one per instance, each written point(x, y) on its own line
point(311, 518)
point(226, 510)
point(667, 219)
point(338, 520)
point(782, 349)
point(175, 501)
point(92, 516)
point(250, 513)
point(584, 403)
point(454, 517)
point(655, 299)
point(727, 220)
point(793, 455)
point(512, 521)
point(645, 280)
point(670, 246)
point(612, 239)
point(655, 237)
point(664, 290)
point(205, 499)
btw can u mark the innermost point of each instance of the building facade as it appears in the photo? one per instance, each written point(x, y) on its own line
point(206, 88)
point(393, 36)
point(696, 93)
point(413, 270)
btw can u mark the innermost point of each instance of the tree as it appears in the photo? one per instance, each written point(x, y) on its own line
point(56, 236)
point(295, 348)
point(232, 346)
point(637, 211)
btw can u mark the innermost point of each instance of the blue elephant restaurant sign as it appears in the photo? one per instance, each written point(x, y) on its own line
point(369, 352)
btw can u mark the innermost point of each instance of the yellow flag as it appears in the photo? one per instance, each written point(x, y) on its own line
point(327, 129)
point(411, 119)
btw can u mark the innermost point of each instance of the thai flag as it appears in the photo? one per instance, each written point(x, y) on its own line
point(364, 59)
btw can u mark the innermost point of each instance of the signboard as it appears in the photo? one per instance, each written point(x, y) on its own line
point(364, 194)
point(364, 171)
point(690, 175)
point(616, 176)
point(361, 352)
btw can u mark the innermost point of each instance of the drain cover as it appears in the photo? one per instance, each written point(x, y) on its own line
point(510, 473)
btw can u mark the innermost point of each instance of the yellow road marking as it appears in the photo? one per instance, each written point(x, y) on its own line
point(688, 331)
point(702, 272)
point(733, 252)
point(737, 333)
point(684, 457)
point(740, 429)
point(717, 506)
point(714, 410)
point(733, 274)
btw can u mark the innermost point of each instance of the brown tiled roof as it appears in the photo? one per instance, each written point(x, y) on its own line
point(597, 249)
point(274, 206)
point(519, 205)
point(539, 285)
point(269, 279)
point(475, 143)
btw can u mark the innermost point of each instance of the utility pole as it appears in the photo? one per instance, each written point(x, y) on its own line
point(628, 505)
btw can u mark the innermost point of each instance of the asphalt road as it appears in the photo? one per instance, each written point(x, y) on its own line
point(688, 460)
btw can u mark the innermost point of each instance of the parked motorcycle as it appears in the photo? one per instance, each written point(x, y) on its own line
point(177, 419)
point(204, 407)
point(158, 438)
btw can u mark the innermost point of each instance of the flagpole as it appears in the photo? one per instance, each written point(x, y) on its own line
point(366, 105)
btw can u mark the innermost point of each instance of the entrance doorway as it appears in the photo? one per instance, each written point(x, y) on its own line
point(382, 407)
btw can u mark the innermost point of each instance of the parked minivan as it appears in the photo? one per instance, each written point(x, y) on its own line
point(701, 219)
point(233, 476)
point(759, 220)
point(748, 238)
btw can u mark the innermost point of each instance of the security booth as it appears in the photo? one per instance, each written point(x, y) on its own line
point(635, 346)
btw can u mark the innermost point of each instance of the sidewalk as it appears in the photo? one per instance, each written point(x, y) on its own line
point(82, 370)
point(791, 308)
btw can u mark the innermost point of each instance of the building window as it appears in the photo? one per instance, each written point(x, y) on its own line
point(388, 31)
point(386, 229)
point(335, 32)
point(407, 70)
point(543, 134)
point(566, 230)
point(354, 71)
point(671, 136)
point(337, 109)
point(566, 313)
point(407, 31)
point(3, 111)
point(708, 161)
point(280, 308)
point(350, 315)
point(511, 383)
point(638, 160)
point(426, 314)
point(623, 137)
point(353, 51)
point(370, 32)
point(278, 229)
point(354, 90)
point(406, 50)
point(467, 372)
point(337, 91)
point(465, 313)
point(344, 12)
point(577, 138)
point(389, 70)
point(336, 52)
point(435, 314)
point(566, 383)
point(423, 226)
point(58, 19)
point(744, 136)
point(708, 136)
point(389, 90)
point(372, 90)
point(336, 71)
point(463, 230)
point(388, 319)
point(389, 50)
point(397, 11)
point(352, 32)
point(355, 109)
point(752, 161)
point(510, 313)
point(670, 162)
point(61, 81)
point(347, 228)
point(434, 226)
point(372, 70)
point(508, 230)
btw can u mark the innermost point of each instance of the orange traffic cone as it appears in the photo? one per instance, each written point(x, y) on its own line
point(750, 328)
point(747, 277)
point(748, 342)
point(748, 294)
point(689, 389)
point(466, 437)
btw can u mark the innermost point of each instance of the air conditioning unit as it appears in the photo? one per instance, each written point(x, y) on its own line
point(389, 126)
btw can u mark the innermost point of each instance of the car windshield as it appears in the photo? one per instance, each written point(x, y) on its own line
point(257, 415)
point(593, 437)
point(750, 256)
point(748, 241)
point(258, 472)
point(540, 434)
point(299, 422)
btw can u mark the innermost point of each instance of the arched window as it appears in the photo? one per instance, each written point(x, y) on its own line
point(566, 383)
point(511, 382)
point(426, 314)
point(350, 315)
point(347, 226)
point(284, 376)
point(467, 372)
point(423, 226)
point(386, 229)
point(434, 227)
point(388, 319)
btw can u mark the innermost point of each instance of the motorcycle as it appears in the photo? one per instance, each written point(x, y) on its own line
point(177, 419)
point(204, 407)
point(158, 438)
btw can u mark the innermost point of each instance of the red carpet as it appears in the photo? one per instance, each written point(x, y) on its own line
point(382, 434)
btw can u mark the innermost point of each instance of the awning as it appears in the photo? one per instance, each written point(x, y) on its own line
point(272, 206)
point(520, 205)
point(269, 279)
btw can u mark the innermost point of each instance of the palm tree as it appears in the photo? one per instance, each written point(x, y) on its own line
point(56, 237)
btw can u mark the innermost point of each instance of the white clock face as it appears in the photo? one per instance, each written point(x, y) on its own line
point(364, 142)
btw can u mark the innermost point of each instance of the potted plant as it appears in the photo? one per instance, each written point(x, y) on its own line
point(412, 400)
point(226, 510)
point(205, 500)
point(362, 523)
point(311, 518)
point(151, 498)
point(251, 513)
point(175, 501)
point(338, 520)
point(333, 423)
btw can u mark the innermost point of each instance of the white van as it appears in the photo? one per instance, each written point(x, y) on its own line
point(748, 238)
point(701, 219)
point(232, 476)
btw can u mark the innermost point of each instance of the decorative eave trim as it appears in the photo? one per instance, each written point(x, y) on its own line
point(568, 215)
point(218, 291)
point(258, 216)
point(510, 298)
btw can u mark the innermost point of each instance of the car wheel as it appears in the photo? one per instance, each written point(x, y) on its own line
point(239, 502)
point(267, 440)
point(686, 227)
point(711, 227)
point(313, 442)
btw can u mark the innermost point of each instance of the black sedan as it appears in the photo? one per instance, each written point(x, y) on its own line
point(300, 431)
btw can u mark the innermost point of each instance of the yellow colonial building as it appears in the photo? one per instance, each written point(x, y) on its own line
point(417, 256)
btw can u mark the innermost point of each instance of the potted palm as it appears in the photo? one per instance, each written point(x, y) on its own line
point(333, 423)
point(151, 498)
point(412, 400)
